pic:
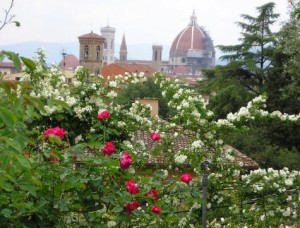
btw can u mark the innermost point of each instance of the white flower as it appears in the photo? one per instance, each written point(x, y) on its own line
point(180, 159)
point(113, 84)
point(288, 182)
point(287, 212)
point(197, 144)
point(111, 223)
point(111, 94)
point(78, 139)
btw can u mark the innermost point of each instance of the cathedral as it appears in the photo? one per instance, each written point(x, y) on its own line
point(191, 51)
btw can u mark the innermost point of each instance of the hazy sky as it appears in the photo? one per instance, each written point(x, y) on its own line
point(142, 21)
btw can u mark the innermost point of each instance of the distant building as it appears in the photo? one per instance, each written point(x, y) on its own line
point(109, 44)
point(69, 62)
point(122, 68)
point(7, 68)
point(191, 50)
point(123, 50)
point(91, 52)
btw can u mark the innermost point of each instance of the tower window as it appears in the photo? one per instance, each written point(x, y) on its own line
point(155, 57)
point(98, 53)
point(105, 44)
point(86, 52)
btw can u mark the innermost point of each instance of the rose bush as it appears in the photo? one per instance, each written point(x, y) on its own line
point(81, 175)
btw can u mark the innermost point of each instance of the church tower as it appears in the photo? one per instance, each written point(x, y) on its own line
point(156, 57)
point(91, 52)
point(109, 44)
point(123, 50)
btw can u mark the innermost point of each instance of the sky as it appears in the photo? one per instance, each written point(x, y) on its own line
point(142, 21)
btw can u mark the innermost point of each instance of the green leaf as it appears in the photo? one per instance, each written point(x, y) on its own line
point(23, 161)
point(7, 187)
point(159, 173)
point(7, 117)
point(156, 150)
point(14, 144)
point(2, 56)
point(36, 102)
point(17, 23)
point(54, 102)
point(16, 61)
point(8, 54)
point(6, 212)
point(117, 209)
point(29, 63)
point(55, 139)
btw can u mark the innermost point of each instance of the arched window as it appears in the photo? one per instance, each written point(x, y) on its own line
point(155, 57)
point(86, 52)
point(98, 52)
point(105, 44)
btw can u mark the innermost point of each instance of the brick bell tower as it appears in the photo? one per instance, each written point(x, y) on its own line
point(91, 52)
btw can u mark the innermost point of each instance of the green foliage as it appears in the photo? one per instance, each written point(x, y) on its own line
point(226, 94)
point(64, 178)
point(146, 90)
point(251, 59)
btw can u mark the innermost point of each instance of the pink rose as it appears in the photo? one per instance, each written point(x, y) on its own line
point(52, 158)
point(132, 187)
point(156, 209)
point(103, 115)
point(186, 178)
point(125, 160)
point(59, 132)
point(109, 148)
point(27, 155)
point(154, 136)
point(130, 207)
point(153, 193)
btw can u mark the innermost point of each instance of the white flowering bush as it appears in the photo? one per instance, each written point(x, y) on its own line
point(69, 157)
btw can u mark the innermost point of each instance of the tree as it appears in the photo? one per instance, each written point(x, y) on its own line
point(264, 62)
point(251, 60)
point(148, 89)
point(8, 17)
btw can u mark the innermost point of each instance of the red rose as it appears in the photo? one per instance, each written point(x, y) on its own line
point(186, 178)
point(52, 158)
point(153, 193)
point(59, 132)
point(125, 160)
point(103, 115)
point(154, 136)
point(130, 207)
point(132, 187)
point(27, 155)
point(109, 148)
point(156, 209)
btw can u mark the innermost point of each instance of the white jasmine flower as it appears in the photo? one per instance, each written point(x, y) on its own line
point(180, 159)
point(111, 224)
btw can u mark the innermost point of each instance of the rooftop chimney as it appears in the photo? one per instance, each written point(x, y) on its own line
point(150, 101)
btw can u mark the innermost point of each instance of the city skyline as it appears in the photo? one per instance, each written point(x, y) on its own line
point(156, 22)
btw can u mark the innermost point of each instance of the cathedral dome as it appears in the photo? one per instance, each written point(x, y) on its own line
point(192, 48)
point(192, 41)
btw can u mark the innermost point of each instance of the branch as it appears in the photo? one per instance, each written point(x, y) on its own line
point(8, 17)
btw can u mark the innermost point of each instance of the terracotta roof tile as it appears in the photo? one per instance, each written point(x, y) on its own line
point(91, 35)
point(121, 68)
point(181, 143)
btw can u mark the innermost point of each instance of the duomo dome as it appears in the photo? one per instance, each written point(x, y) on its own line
point(192, 50)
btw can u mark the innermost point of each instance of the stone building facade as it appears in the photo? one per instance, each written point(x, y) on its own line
point(91, 52)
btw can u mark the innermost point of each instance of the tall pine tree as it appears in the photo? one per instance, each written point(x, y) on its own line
point(251, 60)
